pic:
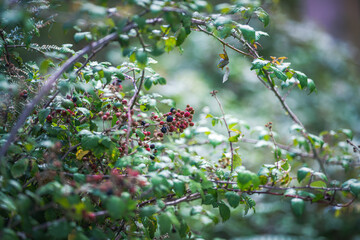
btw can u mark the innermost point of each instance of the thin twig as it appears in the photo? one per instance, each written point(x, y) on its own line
point(213, 93)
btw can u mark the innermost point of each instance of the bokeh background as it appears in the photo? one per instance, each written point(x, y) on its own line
point(320, 38)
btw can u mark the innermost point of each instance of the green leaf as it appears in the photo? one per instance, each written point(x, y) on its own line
point(164, 223)
point(43, 113)
point(248, 32)
point(179, 187)
point(82, 35)
point(170, 43)
point(321, 176)
point(355, 188)
point(247, 179)
point(141, 57)
point(233, 199)
point(279, 74)
point(84, 111)
point(303, 79)
point(234, 138)
point(148, 211)
point(303, 172)
point(19, 168)
point(311, 85)
point(262, 16)
point(318, 184)
point(181, 36)
point(115, 207)
point(237, 161)
point(148, 84)
point(297, 206)
point(348, 133)
point(224, 211)
point(259, 63)
point(67, 104)
point(140, 134)
point(90, 142)
point(59, 230)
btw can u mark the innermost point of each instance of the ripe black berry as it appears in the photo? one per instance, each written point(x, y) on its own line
point(74, 99)
point(152, 157)
point(163, 129)
point(143, 123)
point(172, 109)
point(169, 118)
point(152, 146)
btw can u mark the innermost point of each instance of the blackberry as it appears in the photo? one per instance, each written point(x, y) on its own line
point(74, 99)
point(172, 109)
point(169, 118)
point(152, 157)
point(143, 123)
point(152, 146)
point(163, 129)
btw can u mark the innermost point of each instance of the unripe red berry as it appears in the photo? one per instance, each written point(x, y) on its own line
point(107, 113)
point(100, 113)
point(105, 117)
point(124, 101)
point(162, 122)
point(191, 124)
point(148, 149)
point(118, 114)
point(49, 118)
point(187, 114)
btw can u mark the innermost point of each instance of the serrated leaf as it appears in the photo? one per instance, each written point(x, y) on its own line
point(297, 206)
point(224, 211)
point(233, 199)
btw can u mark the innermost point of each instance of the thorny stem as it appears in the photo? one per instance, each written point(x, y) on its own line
point(213, 93)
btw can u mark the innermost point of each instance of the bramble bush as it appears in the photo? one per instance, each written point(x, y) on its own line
point(88, 152)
